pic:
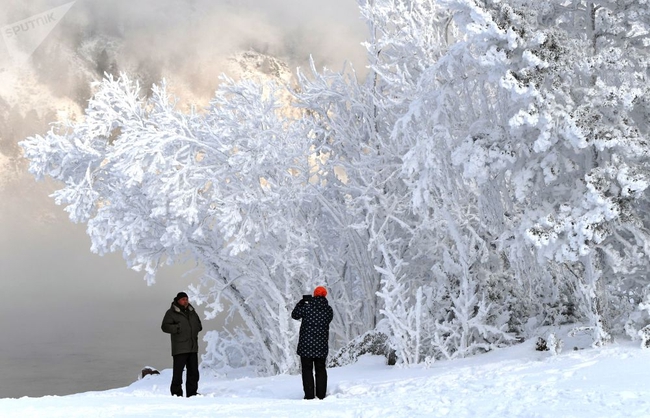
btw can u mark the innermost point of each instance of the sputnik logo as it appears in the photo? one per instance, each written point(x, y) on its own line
point(23, 37)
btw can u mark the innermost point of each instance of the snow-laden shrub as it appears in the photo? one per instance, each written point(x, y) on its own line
point(372, 342)
point(554, 344)
point(644, 333)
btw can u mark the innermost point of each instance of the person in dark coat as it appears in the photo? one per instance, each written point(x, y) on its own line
point(184, 325)
point(316, 315)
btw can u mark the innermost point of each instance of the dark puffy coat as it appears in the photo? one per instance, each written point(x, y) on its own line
point(316, 315)
point(184, 326)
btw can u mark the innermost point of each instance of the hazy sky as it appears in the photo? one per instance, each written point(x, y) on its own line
point(188, 40)
point(69, 317)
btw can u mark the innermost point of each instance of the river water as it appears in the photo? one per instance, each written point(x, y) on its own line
point(72, 321)
point(96, 348)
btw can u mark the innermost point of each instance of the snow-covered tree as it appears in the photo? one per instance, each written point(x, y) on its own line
point(219, 188)
point(487, 177)
point(561, 131)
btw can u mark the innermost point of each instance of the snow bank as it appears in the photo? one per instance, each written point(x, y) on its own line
point(512, 382)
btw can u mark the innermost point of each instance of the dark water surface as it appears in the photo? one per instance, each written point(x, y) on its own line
point(97, 347)
point(72, 321)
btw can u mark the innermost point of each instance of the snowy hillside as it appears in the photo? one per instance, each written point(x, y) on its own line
point(258, 66)
point(514, 382)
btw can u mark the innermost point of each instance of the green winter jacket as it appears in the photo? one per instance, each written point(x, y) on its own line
point(184, 326)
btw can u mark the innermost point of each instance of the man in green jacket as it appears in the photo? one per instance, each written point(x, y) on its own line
point(184, 325)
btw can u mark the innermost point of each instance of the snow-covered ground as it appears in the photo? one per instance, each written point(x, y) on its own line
point(511, 382)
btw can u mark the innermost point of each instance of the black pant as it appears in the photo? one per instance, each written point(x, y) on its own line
point(307, 364)
point(191, 360)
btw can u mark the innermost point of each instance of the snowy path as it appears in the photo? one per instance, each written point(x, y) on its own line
point(514, 382)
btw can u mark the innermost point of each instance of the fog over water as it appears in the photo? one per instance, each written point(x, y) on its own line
point(70, 320)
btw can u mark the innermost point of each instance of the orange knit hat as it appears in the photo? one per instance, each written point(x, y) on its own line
point(320, 291)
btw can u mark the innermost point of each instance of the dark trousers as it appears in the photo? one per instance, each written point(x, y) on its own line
point(181, 361)
point(308, 364)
